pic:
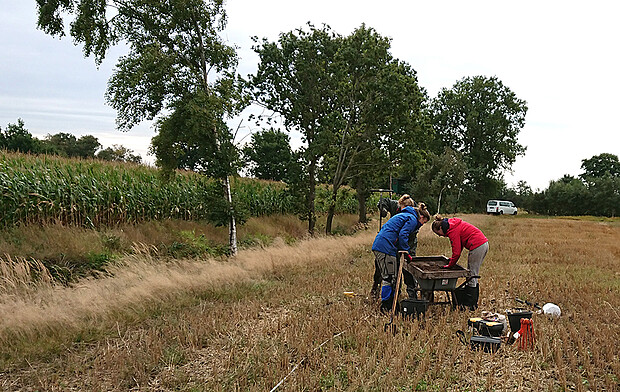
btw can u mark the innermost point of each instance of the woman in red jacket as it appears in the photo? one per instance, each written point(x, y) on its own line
point(464, 235)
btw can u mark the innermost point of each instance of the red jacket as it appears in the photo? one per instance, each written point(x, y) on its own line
point(463, 235)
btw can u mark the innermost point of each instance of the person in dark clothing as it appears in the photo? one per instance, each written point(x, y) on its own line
point(392, 238)
point(388, 206)
point(393, 207)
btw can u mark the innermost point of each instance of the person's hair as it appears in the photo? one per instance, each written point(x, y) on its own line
point(405, 201)
point(440, 223)
point(422, 211)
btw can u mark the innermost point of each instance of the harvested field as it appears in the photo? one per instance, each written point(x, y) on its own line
point(243, 325)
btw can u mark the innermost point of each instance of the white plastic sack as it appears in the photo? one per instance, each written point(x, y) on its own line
point(551, 309)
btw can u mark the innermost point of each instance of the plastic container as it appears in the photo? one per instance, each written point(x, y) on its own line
point(485, 327)
point(515, 316)
point(413, 307)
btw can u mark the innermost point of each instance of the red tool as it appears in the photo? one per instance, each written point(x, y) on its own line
point(525, 335)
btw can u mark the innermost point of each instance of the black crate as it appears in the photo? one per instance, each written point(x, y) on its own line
point(413, 307)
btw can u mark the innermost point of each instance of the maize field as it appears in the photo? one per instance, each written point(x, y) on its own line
point(89, 193)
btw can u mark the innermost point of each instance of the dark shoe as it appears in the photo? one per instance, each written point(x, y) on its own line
point(462, 297)
point(374, 293)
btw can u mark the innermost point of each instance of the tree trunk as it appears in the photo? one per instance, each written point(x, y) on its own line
point(311, 196)
point(330, 213)
point(439, 200)
point(362, 195)
point(456, 204)
point(232, 225)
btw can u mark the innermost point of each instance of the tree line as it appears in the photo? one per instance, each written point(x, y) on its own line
point(363, 116)
point(16, 138)
point(596, 191)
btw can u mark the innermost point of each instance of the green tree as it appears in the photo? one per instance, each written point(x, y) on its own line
point(63, 143)
point(378, 100)
point(17, 138)
point(481, 118)
point(178, 70)
point(86, 146)
point(118, 153)
point(68, 145)
point(605, 195)
point(521, 195)
point(443, 174)
point(295, 79)
point(602, 176)
point(600, 165)
point(269, 155)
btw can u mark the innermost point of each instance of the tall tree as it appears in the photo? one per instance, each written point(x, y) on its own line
point(481, 118)
point(600, 165)
point(86, 146)
point(269, 155)
point(68, 145)
point(178, 70)
point(377, 99)
point(17, 138)
point(62, 142)
point(295, 80)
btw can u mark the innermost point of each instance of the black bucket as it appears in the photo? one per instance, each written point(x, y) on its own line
point(514, 318)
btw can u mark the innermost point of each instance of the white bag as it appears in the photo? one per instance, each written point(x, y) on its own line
point(551, 309)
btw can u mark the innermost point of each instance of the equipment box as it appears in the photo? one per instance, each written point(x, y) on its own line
point(485, 327)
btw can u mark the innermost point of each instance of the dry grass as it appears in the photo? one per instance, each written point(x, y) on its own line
point(62, 245)
point(209, 325)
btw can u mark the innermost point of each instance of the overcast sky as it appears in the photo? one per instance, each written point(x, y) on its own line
point(561, 58)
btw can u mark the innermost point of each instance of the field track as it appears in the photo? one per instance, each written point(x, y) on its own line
point(207, 325)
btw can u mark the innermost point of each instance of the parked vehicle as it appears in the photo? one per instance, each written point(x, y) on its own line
point(501, 207)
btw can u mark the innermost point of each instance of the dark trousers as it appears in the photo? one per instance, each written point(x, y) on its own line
point(409, 279)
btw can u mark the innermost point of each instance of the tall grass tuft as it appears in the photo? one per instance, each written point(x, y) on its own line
point(20, 274)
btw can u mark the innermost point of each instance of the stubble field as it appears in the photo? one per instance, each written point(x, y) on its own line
point(245, 324)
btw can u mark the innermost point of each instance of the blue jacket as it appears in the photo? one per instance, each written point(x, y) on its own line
point(394, 235)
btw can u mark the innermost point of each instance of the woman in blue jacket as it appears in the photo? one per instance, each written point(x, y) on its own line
point(392, 238)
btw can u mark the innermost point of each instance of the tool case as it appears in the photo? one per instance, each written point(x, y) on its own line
point(485, 327)
point(488, 344)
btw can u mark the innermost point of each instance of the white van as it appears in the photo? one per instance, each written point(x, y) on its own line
point(501, 207)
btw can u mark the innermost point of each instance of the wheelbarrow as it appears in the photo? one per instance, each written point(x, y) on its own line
point(431, 277)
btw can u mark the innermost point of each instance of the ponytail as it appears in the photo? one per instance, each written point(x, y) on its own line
point(405, 201)
point(422, 211)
